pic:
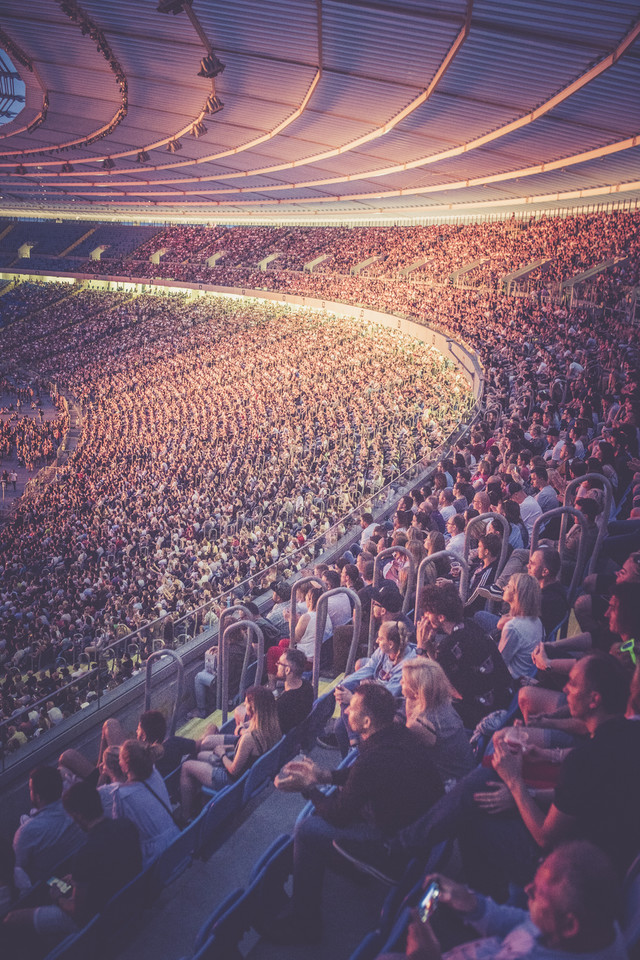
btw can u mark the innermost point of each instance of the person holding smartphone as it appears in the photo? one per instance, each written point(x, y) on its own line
point(573, 902)
point(109, 859)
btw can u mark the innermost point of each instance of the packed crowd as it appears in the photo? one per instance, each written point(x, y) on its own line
point(563, 403)
point(177, 491)
point(430, 254)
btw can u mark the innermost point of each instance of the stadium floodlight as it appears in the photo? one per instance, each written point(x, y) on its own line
point(66, 167)
point(173, 146)
point(173, 6)
point(21, 170)
point(108, 164)
point(198, 129)
point(210, 66)
point(143, 157)
point(213, 105)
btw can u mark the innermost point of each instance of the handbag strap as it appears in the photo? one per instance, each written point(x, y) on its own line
point(161, 801)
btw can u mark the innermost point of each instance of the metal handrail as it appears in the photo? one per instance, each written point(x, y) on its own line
point(564, 513)
point(602, 520)
point(322, 611)
point(377, 578)
point(226, 614)
point(223, 659)
point(422, 569)
point(476, 521)
point(158, 655)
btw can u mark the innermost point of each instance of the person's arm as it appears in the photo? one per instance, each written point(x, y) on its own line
point(301, 626)
point(545, 828)
point(508, 644)
point(236, 765)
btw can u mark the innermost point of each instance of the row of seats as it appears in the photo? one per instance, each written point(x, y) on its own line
point(200, 839)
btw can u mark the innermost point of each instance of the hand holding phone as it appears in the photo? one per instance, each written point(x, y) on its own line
point(429, 902)
point(59, 887)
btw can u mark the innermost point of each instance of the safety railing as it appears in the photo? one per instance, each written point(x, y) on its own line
point(428, 568)
point(575, 564)
point(377, 580)
point(158, 655)
point(121, 657)
point(223, 659)
point(322, 612)
point(602, 519)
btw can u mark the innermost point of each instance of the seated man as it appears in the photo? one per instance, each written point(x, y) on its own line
point(573, 903)
point(392, 782)
point(47, 838)
point(109, 858)
point(596, 798)
point(295, 702)
point(467, 654)
point(152, 729)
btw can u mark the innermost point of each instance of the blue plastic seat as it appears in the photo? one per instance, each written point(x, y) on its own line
point(262, 772)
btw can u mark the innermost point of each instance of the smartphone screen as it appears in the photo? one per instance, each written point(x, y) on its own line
point(429, 902)
point(60, 885)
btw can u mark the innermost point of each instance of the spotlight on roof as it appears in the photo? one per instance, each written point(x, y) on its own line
point(143, 157)
point(67, 168)
point(213, 105)
point(108, 164)
point(21, 170)
point(173, 146)
point(173, 6)
point(210, 66)
point(198, 129)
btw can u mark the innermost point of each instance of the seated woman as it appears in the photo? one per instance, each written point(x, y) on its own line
point(305, 634)
point(224, 759)
point(521, 630)
point(111, 776)
point(431, 714)
point(144, 800)
point(385, 667)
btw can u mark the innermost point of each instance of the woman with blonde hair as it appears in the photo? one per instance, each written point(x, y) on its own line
point(521, 629)
point(431, 715)
point(144, 799)
point(228, 758)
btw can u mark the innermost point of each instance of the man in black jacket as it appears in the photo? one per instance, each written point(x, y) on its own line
point(392, 783)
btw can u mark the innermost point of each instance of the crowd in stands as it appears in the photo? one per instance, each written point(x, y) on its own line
point(175, 453)
point(563, 402)
point(568, 246)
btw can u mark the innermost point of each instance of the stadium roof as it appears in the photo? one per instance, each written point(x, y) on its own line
point(325, 110)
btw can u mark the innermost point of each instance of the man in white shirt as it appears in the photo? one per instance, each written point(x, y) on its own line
point(530, 509)
point(546, 496)
point(455, 529)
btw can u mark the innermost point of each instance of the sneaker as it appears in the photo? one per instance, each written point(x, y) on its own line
point(372, 858)
point(328, 741)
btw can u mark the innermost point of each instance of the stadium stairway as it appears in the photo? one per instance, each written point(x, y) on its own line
point(170, 926)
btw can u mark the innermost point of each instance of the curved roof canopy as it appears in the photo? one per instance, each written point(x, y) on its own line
point(319, 110)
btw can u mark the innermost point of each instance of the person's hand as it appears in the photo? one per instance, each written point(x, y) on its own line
point(343, 696)
point(299, 775)
point(507, 760)
point(422, 943)
point(423, 632)
point(495, 799)
point(219, 751)
point(454, 894)
point(538, 754)
point(540, 658)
